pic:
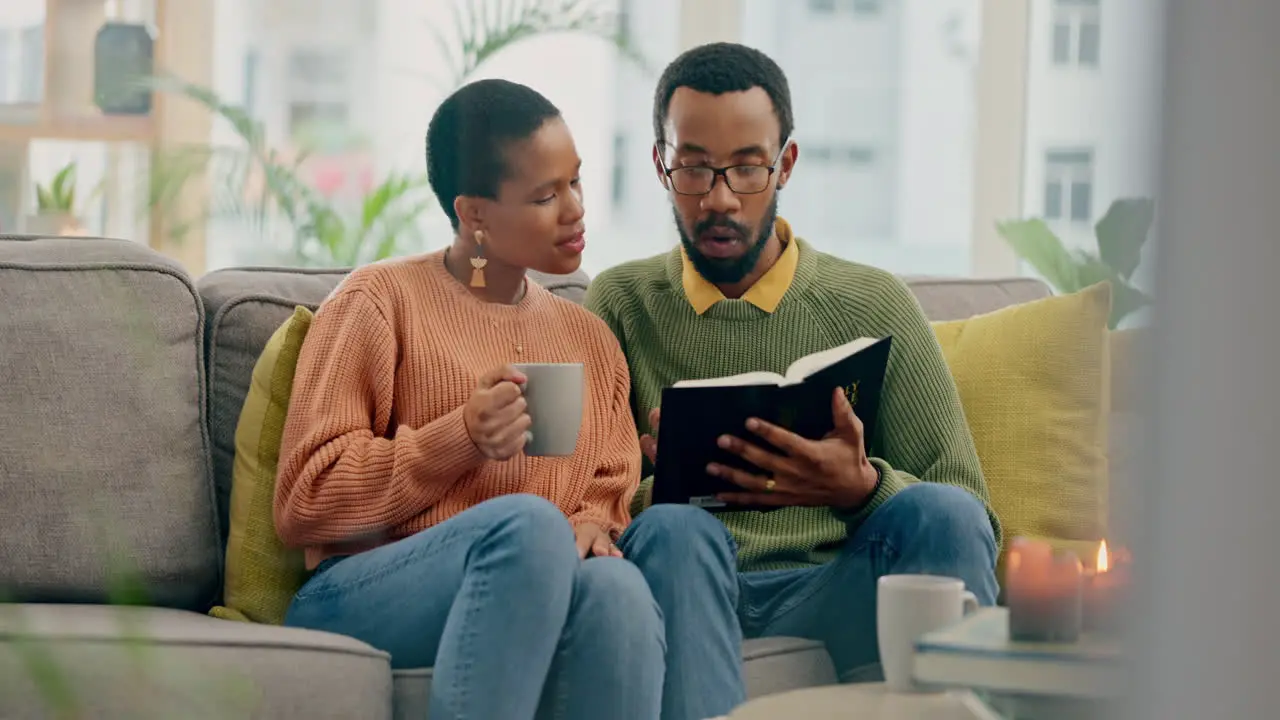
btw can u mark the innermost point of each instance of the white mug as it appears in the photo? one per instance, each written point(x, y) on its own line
point(908, 606)
point(554, 396)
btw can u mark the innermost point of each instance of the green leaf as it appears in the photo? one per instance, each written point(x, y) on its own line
point(52, 683)
point(64, 188)
point(1125, 298)
point(224, 172)
point(44, 199)
point(1090, 270)
point(248, 129)
point(1035, 243)
point(60, 194)
point(395, 230)
point(1123, 231)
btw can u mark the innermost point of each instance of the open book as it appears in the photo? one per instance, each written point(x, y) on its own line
point(696, 412)
point(797, 372)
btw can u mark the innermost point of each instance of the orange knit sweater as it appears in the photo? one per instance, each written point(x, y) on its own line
point(375, 448)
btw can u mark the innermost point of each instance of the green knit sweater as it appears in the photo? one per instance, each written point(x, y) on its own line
point(922, 431)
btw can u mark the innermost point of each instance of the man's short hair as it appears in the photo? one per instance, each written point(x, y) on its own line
point(718, 68)
point(469, 134)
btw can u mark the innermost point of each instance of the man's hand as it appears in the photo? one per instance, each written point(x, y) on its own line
point(831, 472)
point(593, 541)
point(649, 441)
point(495, 415)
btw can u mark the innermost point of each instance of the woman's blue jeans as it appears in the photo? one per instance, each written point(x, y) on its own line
point(513, 622)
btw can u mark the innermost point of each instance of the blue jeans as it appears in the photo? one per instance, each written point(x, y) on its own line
point(689, 559)
point(497, 601)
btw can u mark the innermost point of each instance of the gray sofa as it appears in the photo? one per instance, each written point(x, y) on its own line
point(121, 381)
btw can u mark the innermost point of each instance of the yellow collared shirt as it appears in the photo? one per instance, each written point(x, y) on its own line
point(765, 294)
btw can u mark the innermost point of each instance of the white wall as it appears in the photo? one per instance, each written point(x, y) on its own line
point(641, 223)
point(282, 27)
point(843, 69)
point(1112, 108)
point(902, 81)
point(936, 124)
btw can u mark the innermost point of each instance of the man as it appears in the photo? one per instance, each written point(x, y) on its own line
point(743, 293)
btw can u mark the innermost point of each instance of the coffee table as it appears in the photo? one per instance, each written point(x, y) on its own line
point(864, 701)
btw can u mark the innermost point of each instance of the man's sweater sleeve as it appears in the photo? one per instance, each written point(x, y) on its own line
point(602, 300)
point(343, 473)
point(923, 432)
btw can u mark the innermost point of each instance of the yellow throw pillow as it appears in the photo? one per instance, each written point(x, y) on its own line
point(1034, 381)
point(262, 575)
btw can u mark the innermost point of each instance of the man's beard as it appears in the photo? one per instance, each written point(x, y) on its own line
point(726, 271)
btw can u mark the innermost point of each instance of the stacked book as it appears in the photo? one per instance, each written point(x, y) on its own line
point(977, 653)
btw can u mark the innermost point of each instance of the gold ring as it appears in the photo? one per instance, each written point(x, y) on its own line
point(769, 485)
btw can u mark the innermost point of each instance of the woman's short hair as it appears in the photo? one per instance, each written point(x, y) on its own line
point(471, 130)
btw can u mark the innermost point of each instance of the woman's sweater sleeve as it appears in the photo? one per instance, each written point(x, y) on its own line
point(345, 474)
point(608, 494)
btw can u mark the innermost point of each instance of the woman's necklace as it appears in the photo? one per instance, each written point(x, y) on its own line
point(524, 288)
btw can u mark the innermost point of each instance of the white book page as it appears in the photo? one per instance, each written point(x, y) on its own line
point(751, 378)
point(810, 364)
point(799, 370)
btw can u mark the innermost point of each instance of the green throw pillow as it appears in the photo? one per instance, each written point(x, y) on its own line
point(262, 575)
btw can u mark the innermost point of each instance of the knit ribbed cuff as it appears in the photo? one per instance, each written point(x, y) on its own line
point(891, 483)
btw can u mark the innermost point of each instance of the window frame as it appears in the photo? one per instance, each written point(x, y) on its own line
point(1068, 169)
point(322, 93)
point(1072, 17)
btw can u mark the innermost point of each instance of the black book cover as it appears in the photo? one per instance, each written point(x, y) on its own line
point(694, 417)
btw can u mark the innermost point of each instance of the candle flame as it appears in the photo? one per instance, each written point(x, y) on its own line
point(1103, 564)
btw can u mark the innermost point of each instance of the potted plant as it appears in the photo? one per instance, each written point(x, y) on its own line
point(55, 206)
point(1120, 235)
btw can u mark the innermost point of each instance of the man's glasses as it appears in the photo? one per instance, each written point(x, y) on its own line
point(741, 179)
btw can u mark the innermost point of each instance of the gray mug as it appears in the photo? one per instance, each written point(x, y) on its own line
point(554, 395)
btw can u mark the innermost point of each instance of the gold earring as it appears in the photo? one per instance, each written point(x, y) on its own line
point(478, 262)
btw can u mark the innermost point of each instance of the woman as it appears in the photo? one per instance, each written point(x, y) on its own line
point(432, 536)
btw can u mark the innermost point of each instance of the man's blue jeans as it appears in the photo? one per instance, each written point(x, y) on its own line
point(496, 599)
point(689, 559)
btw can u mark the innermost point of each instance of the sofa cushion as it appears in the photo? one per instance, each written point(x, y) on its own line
point(262, 574)
point(958, 298)
point(1033, 379)
point(244, 307)
point(151, 662)
point(779, 664)
point(771, 665)
point(104, 469)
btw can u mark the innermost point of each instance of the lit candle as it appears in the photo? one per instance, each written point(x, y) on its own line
point(1106, 590)
point(1043, 591)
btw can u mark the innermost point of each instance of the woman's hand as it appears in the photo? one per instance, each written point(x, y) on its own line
point(495, 415)
point(592, 540)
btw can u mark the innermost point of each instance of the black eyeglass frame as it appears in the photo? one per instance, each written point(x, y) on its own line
point(720, 172)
